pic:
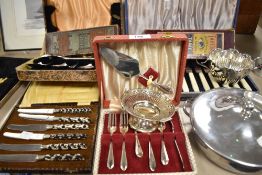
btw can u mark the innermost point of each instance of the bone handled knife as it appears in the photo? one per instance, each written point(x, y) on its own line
point(53, 111)
point(35, 136)
point(39, 147)
point(44, 127)
point(53, 118)
point(39, 157)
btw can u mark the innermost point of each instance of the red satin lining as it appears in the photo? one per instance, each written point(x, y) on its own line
point(140, 165)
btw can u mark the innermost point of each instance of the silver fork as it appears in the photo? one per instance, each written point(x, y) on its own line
point(111, 128)
point(123, 129)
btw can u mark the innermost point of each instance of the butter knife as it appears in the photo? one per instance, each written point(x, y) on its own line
point(53, 118)
point(44, 127)
point(53, 111)
point(39, 147)
point(39, 157)
point(35, 136)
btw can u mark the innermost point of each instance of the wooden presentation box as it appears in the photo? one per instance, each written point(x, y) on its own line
point(76, 43)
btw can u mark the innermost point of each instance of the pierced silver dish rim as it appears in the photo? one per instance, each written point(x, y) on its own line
point(223, 50)
point(164, 119)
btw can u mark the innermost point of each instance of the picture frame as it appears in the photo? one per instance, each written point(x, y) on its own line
point(22, 24)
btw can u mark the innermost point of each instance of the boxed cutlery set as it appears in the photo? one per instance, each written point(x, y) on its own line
point(198, 75)
point(49, 139)
point(139, 129)
point(69, 57)
point(205, 27)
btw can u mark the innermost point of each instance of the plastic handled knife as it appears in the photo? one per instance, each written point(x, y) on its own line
point(39, 147)
point(53, 118)
point(35, 136)
point(53, 111)
point(44, 127)
point(39, 157)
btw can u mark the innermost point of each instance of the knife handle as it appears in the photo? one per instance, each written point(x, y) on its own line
point(70, 126)
point(72, 110)
point(66, 146)
point(74, 119)
point(61, 157)
point(66, 136)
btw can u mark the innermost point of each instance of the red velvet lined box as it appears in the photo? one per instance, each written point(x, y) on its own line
point(166, 48)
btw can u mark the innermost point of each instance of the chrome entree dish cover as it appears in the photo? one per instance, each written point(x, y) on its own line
point(228, 134)
point(230, 66)
point(147, 108)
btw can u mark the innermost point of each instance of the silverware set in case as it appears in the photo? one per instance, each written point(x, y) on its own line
point(79, 123)
point(123, 129)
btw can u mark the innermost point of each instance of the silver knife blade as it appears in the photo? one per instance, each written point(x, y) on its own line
point(25, 135)
point(30, 127)
point(35, 136)
point(53, 118)
point(38, 117)
point(21, 147)
point(52, 111)
point(18, 157)
point(37, 111)
point(44, 127)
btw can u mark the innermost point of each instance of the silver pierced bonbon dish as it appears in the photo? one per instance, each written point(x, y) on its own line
point(230, 66)
point(147, 108)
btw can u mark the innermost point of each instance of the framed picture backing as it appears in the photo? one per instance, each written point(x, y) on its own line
point(23, 26)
